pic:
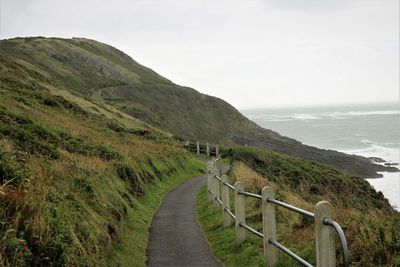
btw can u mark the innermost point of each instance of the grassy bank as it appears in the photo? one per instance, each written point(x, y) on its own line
point(370, 224)
point(77, 178)
point(130, 248)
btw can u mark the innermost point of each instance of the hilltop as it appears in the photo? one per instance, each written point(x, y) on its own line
point(103, 73)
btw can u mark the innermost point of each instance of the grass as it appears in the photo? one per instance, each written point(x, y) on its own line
point(222, 240)
point(77, 69)
point(370, 224)
point(77, 173)
point(130, 248)
point(76, 182)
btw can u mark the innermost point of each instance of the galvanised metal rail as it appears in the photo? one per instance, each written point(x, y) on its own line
point(230, 213)
point(219, 189)
point(342, 238)
point(229, 186)
point(251, 230)
point(290, 207)
point(289, 252)
point(248, 194)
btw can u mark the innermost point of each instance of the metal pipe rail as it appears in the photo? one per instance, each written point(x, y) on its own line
point(250, 194)
point(290, 207)
point(289, 252)
point(229, 185)
point(269, 203)
point(342, 239)
point(218, 200)
point(251, 230)
point(230, 213)
point(214, 161)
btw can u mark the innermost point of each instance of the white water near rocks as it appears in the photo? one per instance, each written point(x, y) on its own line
point(367, 130)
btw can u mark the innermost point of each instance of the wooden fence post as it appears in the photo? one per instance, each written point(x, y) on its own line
point(187, 145)
point(208, 149)
point(324, 236)
point(217, 187)
point(209, 180)
point(269, 227)
point(225, 202)
point(218, 166)
point(240, 213)
point(198, 148)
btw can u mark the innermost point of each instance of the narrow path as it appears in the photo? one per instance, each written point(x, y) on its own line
point(176, 238)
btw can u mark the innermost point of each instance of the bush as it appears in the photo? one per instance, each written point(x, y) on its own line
point(83, 184)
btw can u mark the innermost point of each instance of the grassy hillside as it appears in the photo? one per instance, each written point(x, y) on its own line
point(79, 180)
point(103, 73)
point(371, 226)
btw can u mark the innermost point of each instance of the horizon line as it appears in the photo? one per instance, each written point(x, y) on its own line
point(321, 105)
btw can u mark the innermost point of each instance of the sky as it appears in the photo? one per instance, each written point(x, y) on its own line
point(253, 54)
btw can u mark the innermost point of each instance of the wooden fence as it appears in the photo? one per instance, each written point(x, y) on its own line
point(206, 149)
point(219, 191)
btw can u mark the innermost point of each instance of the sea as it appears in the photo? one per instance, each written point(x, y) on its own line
point(371, 130)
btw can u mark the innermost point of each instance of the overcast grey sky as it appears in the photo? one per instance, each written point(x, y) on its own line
point(251, 53)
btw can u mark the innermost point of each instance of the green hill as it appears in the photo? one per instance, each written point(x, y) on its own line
point(101, 72)
point(80, 177)
point(79, 180)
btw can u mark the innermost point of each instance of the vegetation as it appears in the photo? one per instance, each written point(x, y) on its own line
point(83, 165)
point(369, 222)
point(107, 75)
point(79, 180)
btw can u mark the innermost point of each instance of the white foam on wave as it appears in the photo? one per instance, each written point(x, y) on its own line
point(305, 116)
point(375, 150)
point(389, 185)
point(291, 117)
point(376, 112)
point(323, 115)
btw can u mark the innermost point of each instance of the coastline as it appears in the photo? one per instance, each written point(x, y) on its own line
point(389, 183)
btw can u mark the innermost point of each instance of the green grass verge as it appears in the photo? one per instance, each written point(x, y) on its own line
point(130, 248)
point(222, 240)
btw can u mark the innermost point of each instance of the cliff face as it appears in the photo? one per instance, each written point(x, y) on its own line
point(103, 73)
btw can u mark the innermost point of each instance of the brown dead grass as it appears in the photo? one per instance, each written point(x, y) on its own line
point(252, 181)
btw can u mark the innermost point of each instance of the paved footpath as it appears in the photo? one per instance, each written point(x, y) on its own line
point(176, 238)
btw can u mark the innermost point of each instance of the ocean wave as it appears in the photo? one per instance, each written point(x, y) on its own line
point(367, 141)
point(374, 150)
point(291, 117)
point(363, 113)
point(318, 116)
point(389, 185)
point(305, 116)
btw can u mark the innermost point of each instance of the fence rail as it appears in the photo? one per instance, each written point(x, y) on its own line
point(325, 227)
point(209, 149)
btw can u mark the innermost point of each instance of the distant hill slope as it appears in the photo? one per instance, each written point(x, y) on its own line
point(106, 74)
